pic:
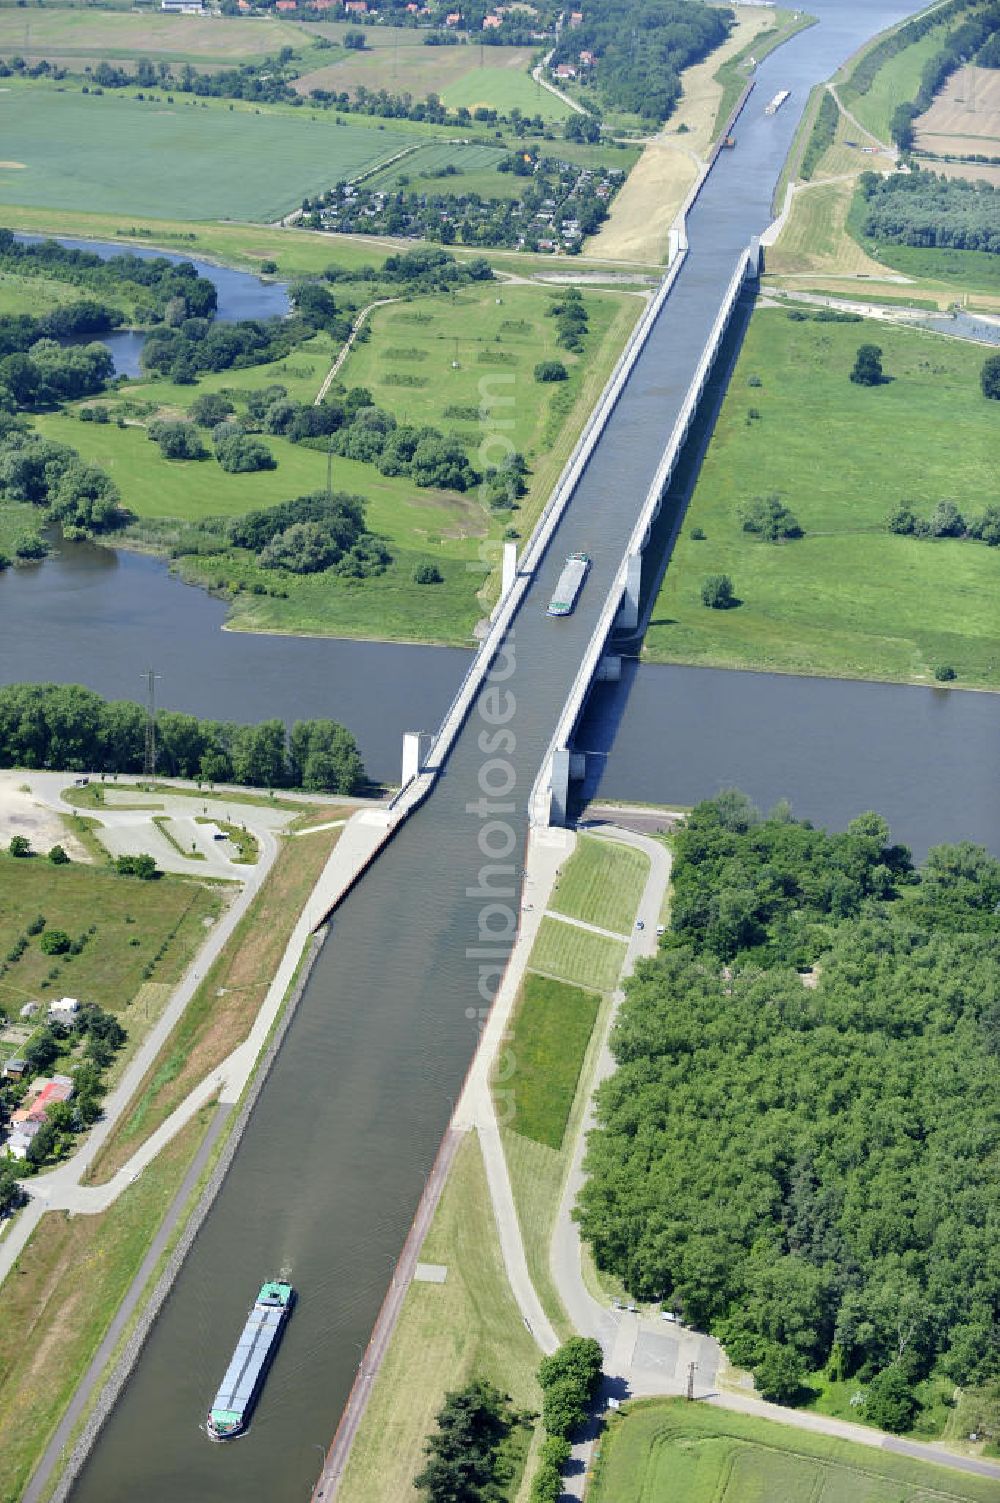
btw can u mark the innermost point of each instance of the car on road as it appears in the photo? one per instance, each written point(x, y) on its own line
point(668, 1315)
point(639, 924)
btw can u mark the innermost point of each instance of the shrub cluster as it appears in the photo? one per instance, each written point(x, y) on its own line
point(946, 521)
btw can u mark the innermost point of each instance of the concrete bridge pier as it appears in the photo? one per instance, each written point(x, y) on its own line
point(559, 787)
point(411, 757)
point(628, 616)
point(677, 241)
point(509, 573)
point(755, 258)
point(609, 669)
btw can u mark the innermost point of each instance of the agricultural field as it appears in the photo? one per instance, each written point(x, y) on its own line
point(964, 120)
point(119, 155)
point(131, 921)
point(68, 36)
point(848, 598)
point(677, 1452)
point(396, 59)
point(895, 83)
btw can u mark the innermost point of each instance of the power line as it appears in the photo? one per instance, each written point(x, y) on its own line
point(149, 754)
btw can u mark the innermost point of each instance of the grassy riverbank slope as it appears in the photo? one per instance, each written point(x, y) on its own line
point(668, 1448)
point(849, 599)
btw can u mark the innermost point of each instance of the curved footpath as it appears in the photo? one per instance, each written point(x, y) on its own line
point(62, 1188)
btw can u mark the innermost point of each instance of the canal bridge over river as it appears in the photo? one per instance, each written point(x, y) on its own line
point(336, 1153)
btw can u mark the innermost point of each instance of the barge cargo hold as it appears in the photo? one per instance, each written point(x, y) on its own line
point(569, 586)
point(230, 1413)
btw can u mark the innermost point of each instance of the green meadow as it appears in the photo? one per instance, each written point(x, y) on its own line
point(462, 363)
point(675, 1452)
point(849, 598)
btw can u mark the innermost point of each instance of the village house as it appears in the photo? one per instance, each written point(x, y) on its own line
point(564, 70)
point(15, 1068)
point(491, 22)
point(453, 18)
point(356, 7)
point(20, 1139)
point(588, 59)
point(576, 18)
point(42, 1093)
point(66, 1010)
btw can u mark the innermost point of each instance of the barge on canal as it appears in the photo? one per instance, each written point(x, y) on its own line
point(240, 1388)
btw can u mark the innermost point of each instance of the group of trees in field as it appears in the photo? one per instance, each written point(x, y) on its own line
point(466, 1458)
point(572, 319)
point(946, 521)
point(642, 48)
point(806, 1169)
point(69, 727)
point(48, 373)
point(312, 534)
point(51, 476)
point(921, 208)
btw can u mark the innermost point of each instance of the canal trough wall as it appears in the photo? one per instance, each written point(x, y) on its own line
point(550, 795)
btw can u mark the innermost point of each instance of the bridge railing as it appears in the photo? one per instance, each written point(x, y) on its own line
point(539, 541)
point(539, 802)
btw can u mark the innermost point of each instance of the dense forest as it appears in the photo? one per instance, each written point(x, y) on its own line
point(642, 47)
point(920, 208)
point(68, 727)
point(798, 1150)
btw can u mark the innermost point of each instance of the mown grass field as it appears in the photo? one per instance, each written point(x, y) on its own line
point(70, 34)
point(132, 920)
point(552, 1028)
point(116, 154)
point(448, 1334)
point(61, 1296)
point(576, 955)
point(675, 1452)
point(602, 883)
point(848, 599)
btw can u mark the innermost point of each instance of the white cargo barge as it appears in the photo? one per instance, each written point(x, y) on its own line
point(777, 102)
point(570, 584)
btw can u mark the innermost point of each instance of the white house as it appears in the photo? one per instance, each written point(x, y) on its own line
point(64, 1011)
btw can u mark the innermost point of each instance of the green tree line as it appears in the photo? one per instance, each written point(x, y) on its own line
point(69, 727)
point(807, 1167)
